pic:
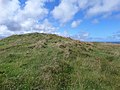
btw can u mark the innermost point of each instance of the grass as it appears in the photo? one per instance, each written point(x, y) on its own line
point(49, 62)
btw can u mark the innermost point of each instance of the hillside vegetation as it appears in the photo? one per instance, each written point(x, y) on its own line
point(49, 62)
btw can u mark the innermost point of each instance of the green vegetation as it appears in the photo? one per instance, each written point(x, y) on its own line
point(50, 62)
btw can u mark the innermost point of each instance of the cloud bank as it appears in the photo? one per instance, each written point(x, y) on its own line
point(66, 10)
point(33, 16)
point(17, 20)
point(76, 23)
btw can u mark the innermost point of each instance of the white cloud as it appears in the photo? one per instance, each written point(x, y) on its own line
point(4, 31)
point(64, 34)
point(31, 26)
point(33, 9)
point(45, 27)
point(81, 36)
point(32, 16)
point(116, 36)
point(8, 9)
point(76, 23)
point(17, 20)
point(103, 7)
point(66, 10)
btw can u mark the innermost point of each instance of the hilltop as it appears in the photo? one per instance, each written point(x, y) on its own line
point(50, 62)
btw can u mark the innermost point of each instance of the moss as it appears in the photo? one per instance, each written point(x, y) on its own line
point(50, 62)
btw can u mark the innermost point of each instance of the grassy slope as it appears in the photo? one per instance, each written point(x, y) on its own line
point(50, 62)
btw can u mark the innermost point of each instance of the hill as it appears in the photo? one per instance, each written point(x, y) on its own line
point(49, 62)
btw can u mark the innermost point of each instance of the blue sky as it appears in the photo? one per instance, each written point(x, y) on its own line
point(85, 20)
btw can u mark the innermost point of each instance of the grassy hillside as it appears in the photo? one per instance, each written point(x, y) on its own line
point(50, 62)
